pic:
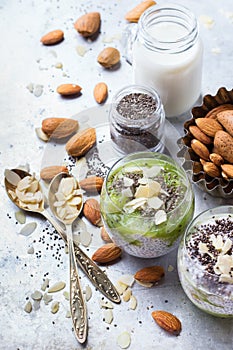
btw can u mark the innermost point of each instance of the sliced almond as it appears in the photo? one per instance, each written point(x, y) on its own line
point(20, 217)
point(108, 316)
point(12, 177)
point(41, 135)
point(127, 279)
point(85, 238)
point(132, 302)
point(55, 307)
point(88, 293)
point(28, 229)
point(127, 294)
point(124, 340)
point(57, 287)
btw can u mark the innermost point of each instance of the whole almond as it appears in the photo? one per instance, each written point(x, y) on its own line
point(48, 173)
point(216, 159)
point(69, 89)
point(88, 24)
point(91, 211)
point(226, 119)
point(228, 170)
point(150, 274)
point(210, 168)
point(212, 114)
point(200, 149)
point(105, 236)
point(81, 143)
point(108, 57)
point(223, 144)
point(100, 92)
point(208, 126)
point(59, 128)
point(52, 38)
point(134, 14)
point(107, 253)
point(167, 321)
point(92, 184)
point(200, 135)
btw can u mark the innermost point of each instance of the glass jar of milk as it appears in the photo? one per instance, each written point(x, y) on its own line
point(167, 56)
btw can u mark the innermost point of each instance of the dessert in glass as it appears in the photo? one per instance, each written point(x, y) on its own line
point(146, 204)
point(205, 261)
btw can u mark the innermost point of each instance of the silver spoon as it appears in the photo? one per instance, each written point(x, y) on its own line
point(93, 272)
point(77, 303)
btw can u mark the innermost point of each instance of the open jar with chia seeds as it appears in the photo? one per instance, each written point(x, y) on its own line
point(137, 120)
point(205, 261)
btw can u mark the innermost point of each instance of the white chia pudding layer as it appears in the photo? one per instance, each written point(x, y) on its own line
point(205, 265)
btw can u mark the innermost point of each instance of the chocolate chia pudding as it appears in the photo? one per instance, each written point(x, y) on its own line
point(205, 261)
point(146, 204)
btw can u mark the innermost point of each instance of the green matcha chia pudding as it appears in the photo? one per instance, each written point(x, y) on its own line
point(205, 261)
point(146, 204)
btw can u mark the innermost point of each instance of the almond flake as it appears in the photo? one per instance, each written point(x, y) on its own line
point(57, 287)
point(127, 294)
point(28, 307)
point(226, 246)
point(79, 171)
point(126, 192)
point(24, 183)
point(124, 340)
point(224, 264)
point(66, 295)
point(127, 279)
point(218, 243)
point(55, 307)
point(127, 181)
point(88, 293)
point(45, 284)
point(41, 135)
point(151, 172)
point(85, 238)
point(30, 250)
point(121, 287)
point(68, 314)
point(12, 177)
point(37, 295)
point(160, 217)
point(28, 229)
point(75, 201)
point(170, 268)
point(132, 302)
point(47, 298)
point(203, 249)
point(145, 284)
point(20, 217)
point(108, 316)
point(133, 169)
point(155, 202)
point(152, 188)
point(134, 204)
point(226, 278)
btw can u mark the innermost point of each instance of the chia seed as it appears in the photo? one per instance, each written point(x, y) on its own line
point(136, 106)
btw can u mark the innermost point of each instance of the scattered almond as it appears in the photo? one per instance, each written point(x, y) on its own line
point(200, 135)
point(59, 128)
point(53, 37)
point(91, 211)
point(104, 235)
point(124, 340)
point(81, 143)
point(167, 321)
point(226, 119)
point(212, 114)
point(41, 135)
point(210, 168)
point(108, 57)
point(216, 159)
point(100, 92)
point(132, 302)
point(150, 274)
point(88, 24)
point(57, 287)
point(200, 149)
point(69, 89)
point(92, 184)
point(107, 253)
point(127, 294)
point(223, 143)
point(208, 126)
point(48, 173)
point(134, 14)
point(228, 170)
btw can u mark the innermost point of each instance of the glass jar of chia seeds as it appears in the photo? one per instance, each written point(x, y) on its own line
point(137, 120)
point(205, 261)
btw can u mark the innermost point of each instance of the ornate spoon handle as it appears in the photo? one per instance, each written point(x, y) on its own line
point(98, 278)
point(77, 304)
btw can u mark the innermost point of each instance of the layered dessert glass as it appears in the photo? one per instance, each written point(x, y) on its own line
point(146, 204)
point(205, 261)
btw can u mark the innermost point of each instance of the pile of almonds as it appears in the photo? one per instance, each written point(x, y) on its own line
point(210, 139)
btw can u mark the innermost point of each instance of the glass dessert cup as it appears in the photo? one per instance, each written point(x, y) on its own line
point(205, 261)
point(146, 204)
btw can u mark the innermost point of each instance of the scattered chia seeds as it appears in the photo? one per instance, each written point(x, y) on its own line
point(136, 106)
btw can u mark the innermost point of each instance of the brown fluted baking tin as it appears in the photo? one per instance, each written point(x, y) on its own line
point(217, 187)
